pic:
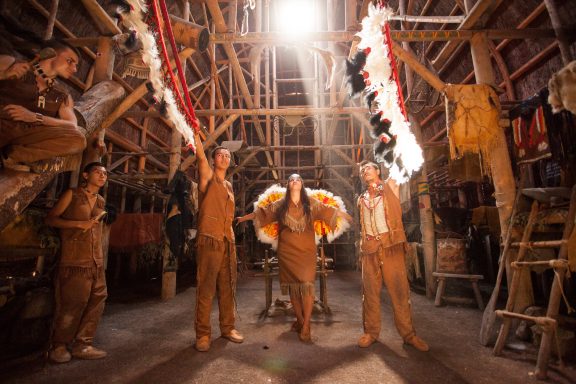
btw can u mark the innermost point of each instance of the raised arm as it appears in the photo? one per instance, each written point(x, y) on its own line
point(394, 186)
point(204, 169)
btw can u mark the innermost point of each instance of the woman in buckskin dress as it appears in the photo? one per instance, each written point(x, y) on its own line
point(295, 214)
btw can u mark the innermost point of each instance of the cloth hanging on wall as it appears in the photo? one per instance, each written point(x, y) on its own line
point(472, 120)
point(133, 230)
point(537, 133)
point(530, 131)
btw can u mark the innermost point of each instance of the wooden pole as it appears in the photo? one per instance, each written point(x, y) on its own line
point(501, 167)
point(51, 20)
point(419, 68)
point(424, 201)
point(168, 268)
point(455, 36)
point(559, 31)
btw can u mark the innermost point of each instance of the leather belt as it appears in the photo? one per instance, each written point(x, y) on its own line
point(377, 237)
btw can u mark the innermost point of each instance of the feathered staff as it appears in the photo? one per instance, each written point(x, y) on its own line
point(372, 71)
point(131, 13)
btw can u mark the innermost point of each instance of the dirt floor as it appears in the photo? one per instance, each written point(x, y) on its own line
point(150, 341)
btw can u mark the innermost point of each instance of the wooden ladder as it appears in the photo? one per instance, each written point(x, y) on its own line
point(560, 265)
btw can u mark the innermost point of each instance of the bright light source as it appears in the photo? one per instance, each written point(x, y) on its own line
point(295, 17)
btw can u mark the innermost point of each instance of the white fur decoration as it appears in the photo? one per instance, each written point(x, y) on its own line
point(387, 101)
point(151, 57)
point(342, 225)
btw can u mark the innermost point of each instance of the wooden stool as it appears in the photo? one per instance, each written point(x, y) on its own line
point(441, 278)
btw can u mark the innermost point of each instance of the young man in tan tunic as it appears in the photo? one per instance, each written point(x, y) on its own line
point(81, 281)
point(37, 120)
point(382, 255)
point(216, 256)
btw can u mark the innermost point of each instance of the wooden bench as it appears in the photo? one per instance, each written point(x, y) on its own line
point(441, 279)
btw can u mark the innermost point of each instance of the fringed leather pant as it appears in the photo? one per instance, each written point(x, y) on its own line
point(216, 275)
point(388, 266)
point(80, 297)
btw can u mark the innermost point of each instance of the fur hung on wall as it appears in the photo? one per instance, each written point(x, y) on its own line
point(562, 87)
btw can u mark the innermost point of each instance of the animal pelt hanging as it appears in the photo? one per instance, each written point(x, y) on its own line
point(472, 120)
point(562, 87)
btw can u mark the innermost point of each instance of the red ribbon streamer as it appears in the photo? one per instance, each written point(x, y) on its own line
point(395, 70)
point(189, 114)
point(181, 75)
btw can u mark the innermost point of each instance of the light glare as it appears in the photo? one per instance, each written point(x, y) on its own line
point(295, 17)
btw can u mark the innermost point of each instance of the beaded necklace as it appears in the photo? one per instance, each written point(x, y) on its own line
point(369, 202)
point(49, 83)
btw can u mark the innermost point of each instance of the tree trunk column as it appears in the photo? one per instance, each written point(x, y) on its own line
point(424, 202)
point(501, 167)
point(426, 219)
point(563, 41)
point(168, 270)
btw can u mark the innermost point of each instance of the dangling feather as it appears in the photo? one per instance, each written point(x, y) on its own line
point(401, 167)
point(380, 127)
point(163, 108)
point(149, 87)
point(369, 99)
point(356, 63)
point(384, 151)
point(375, 119)
point(355, 85)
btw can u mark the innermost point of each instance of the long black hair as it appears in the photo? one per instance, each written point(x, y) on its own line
point(304, 200)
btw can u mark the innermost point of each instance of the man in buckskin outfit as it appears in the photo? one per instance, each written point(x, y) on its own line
point(80, 281)
point(37, 120)
point(382, 255)
point(216, 256)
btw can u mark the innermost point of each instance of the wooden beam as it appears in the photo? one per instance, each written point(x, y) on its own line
point(140, 176)
point(105, 24)
point(221, 129)
point(118, 163)
point(344, 181)
point(122, 142)
point(261, 112)
point(279, 38)
point(344, 156)
point(481, 9)
point(412, 61)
